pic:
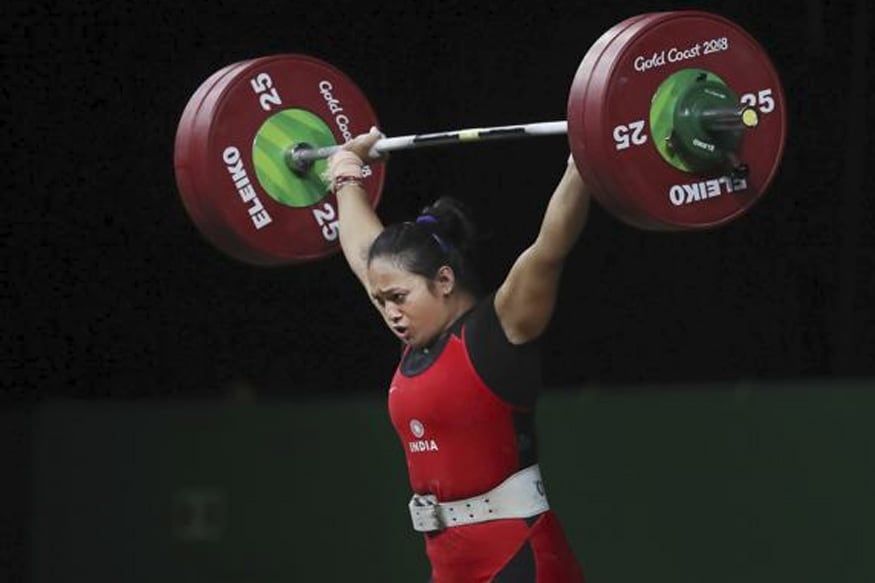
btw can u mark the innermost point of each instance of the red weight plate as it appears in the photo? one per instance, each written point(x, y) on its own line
point(184, 149)
point(614, 130)
point(585, 111)
point(201, 202)
point(576, 100)
point(225, 169)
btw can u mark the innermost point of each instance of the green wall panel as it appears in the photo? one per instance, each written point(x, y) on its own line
point(753, 483)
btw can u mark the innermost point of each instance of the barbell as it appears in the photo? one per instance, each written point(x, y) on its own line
point(675, 119)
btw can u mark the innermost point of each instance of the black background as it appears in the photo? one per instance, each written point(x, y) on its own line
point(111, 292)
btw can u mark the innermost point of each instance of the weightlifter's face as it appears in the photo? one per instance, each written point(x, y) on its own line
point(414, 310)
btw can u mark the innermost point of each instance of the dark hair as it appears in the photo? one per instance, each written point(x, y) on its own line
point(443, 234)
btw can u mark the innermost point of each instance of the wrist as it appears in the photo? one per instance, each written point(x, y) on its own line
point(344, 167)
point(345, 180)
point(345, 163)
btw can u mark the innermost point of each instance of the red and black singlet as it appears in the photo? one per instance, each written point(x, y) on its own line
point(464, 409)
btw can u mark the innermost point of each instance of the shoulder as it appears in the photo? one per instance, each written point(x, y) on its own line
point(512, 371)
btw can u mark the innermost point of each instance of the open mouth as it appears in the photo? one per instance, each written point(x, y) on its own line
point(400, 331)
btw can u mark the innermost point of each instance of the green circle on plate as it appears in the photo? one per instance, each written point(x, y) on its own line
point(662, 109)
point(281, 131)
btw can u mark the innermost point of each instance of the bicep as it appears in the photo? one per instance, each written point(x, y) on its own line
point(525, 300)
point(357, 259)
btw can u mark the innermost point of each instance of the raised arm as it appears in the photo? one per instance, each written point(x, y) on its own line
point(525, 300)
point(359, 224)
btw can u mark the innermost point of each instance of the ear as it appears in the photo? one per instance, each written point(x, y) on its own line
point(445, 280)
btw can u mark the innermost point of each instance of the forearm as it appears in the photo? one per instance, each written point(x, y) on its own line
point(565, 216)
point(359, 226)
point(358, 223)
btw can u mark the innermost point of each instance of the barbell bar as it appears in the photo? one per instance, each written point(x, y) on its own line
point(300, 157)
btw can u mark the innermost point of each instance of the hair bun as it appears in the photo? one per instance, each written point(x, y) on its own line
point(451, 220)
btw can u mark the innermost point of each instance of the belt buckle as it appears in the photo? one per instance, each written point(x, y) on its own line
point(424, 511)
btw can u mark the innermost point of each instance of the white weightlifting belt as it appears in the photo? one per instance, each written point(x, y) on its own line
point(519, 496)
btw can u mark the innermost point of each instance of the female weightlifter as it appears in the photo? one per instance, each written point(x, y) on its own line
point(463, 396)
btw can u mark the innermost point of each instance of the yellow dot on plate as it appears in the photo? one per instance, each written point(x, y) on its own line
point(750, 118)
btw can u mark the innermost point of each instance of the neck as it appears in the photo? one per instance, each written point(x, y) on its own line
point(457, 304)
